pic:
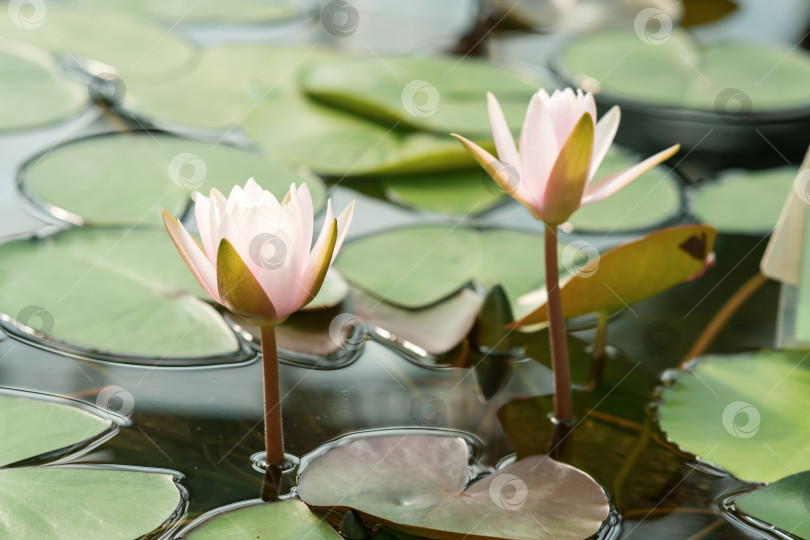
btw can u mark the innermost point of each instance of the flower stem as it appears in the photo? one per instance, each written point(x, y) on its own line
point(273, 434)
point(559, 347)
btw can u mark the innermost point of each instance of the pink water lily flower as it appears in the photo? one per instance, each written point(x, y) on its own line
point(257, 257)
point(561, 147)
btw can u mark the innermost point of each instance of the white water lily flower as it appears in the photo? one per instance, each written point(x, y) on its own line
point(257, 257)
point(561, 147)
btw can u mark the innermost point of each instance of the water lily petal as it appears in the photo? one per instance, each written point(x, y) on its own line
point(504, 142)
point(567, 180)
point(239, 291)
point(193, 255)
point(603, 137)
point(610, 184)
point(319, 262)
point(343, 222)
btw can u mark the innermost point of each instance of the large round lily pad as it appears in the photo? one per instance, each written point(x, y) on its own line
point(536, 498)
point(417, 266)
point(123, 292)
point(131, 179)
point(745, 413)
point(286, 519)
point(678, 72)
point(87, 504)
point(59, 427)
point(203, 97)
point(784, 504)
point(34, 92)
point(130, 45)
point(338, 143)
point(441, 94)
point(744, 202)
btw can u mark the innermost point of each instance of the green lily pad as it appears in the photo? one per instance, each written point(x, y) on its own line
point(131, 179)
point(632, 272)
point(652, 198)
point(784, 504)
point(202, 97)
point(743, 202)
point(536, 498)
point(678, 72)
point(87, 504)
point(745, 413)
point(59, 428)
point(418, 266)
point(71, 502)
point(34, 92)
point(130, 45)
point(124, 292)
point(337, 143)
point(440, 94)
point(286, 519)
point(197, 11)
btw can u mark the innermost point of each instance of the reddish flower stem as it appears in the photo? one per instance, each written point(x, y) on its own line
point(273, 434)
point(559, 347)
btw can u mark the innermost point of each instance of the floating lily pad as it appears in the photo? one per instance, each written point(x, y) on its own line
point(203, 97)
point(60, 427)
point(197, 11)
point(83, 503)
point(286, 519)
point(71, 502)
point(131, 179)
point(128, 44)
point(418, 266)
point(34, 91)
point(632, 272)
point(652, 198)
point(784, 504)
point(533, 499)
point(745, 413)
point(337, 143)
point(744, 202)
point(440, 94)
point(123, 292)
point(678, 72)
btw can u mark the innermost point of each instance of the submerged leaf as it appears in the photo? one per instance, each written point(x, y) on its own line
point(533, 499)
point(633, 271)
point(745, 413)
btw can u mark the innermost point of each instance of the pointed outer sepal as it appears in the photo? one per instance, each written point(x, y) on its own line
point(632, 272)
point(321, 261)
point(239, 290)
point(567, 180)
point(489, 331)
point(198, 263)
point(607, 186)
point(498, 170)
